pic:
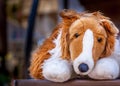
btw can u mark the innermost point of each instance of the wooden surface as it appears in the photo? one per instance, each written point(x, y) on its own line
point(31, 82)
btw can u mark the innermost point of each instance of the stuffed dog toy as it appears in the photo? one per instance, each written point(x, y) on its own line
point(84, 43)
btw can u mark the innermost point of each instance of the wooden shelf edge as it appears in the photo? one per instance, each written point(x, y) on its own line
point(34, 82)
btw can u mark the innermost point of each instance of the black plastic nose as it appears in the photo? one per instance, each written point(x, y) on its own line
point(83, 67)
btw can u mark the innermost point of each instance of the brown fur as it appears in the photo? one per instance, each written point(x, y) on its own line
point(71, 47)
point(102, 27)
point(41, 53)
point(68, 18)
point(111, 31)
point(84, 24)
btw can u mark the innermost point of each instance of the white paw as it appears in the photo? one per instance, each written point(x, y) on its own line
point(105, 68)
point(57, 70)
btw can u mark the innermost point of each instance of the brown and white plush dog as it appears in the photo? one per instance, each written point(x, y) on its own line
point(84, 43)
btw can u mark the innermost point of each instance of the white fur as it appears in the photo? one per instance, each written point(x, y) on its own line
point(86, 54)
point(116, 53)
point(56, 52)
point(108, 67)
point(55, 68)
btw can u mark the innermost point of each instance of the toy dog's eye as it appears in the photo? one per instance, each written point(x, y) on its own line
point(99, 39)
point(76, 35)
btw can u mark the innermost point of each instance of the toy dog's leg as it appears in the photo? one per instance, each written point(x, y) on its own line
point(106, 68)
point(57, 69)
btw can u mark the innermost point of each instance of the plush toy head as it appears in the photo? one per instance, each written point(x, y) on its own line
point(92, 37)
point(80, 40)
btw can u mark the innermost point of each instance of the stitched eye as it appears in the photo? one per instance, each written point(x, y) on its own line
point(99, 39)
point(76, 35)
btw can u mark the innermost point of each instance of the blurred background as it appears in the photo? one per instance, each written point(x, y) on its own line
point(24, 24)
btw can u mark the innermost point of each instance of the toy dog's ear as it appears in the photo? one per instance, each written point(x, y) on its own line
point(110, 27)
point(68, 17)
point(111, 31)
point(69, 14)
point(65, 44)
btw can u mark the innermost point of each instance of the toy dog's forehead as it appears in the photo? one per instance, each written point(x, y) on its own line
point(84, 23)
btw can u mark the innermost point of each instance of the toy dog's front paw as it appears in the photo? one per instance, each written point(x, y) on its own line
point(104, 74)
point(106, 68)
point(57, 70)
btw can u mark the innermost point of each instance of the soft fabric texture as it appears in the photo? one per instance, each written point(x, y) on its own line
point(80, 38)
